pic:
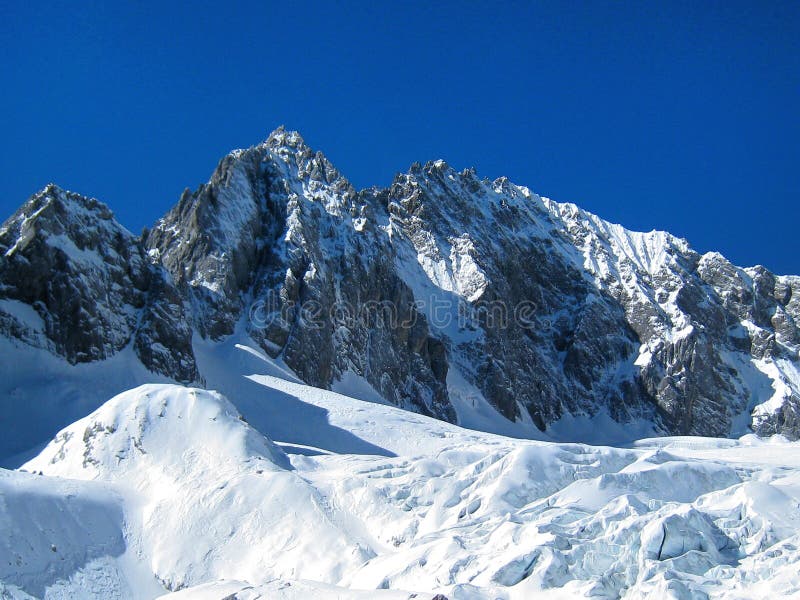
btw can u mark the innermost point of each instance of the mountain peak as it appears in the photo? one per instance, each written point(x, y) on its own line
point(54, 195)
point(282, 141)
point(277, 220)
point(55, 211)
point(283, 137)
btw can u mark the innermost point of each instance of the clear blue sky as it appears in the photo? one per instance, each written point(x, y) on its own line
point(682, 116)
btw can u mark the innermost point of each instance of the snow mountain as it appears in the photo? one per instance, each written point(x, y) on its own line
point(475, 302)
point(396, 374)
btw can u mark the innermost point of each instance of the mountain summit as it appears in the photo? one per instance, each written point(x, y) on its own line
point(474, 301)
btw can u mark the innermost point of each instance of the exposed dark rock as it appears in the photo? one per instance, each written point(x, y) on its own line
point(545, 309)
point(90, 282)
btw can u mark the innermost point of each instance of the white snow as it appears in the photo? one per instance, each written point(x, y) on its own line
point(87, 258)
point(785, 379)
point(45, 392)
point(356, 386)
point(25, 314)
point(648, 252)
point(167, 489)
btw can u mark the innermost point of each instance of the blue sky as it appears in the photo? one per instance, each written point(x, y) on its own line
point(670, 115)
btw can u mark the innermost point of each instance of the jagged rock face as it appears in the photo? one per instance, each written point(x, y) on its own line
point(163, 338)
point(215, 239)
point(493, 247)
point(707, 328)
point(89, 286)
point(280, 239)
point(439, 281)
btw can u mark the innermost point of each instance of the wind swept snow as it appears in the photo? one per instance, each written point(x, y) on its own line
point(167, 490)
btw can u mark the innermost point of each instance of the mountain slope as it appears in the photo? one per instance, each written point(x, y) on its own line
point(474, 301)
point(183, 456)
point(165, 488)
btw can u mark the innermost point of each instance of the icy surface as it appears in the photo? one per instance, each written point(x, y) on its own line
point(167, 490)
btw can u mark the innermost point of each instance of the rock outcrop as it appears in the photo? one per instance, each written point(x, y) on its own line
point(439, 283)
point(89, 287)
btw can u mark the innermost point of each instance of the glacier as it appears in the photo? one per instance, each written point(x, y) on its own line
point(167, 491)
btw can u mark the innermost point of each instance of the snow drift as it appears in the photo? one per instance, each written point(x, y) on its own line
point(167, 490)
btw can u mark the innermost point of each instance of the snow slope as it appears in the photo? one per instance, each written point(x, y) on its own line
point(167, 490)
point(44, 392)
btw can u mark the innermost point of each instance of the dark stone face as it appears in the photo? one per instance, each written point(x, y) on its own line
point(335, 281)
point(91, 283)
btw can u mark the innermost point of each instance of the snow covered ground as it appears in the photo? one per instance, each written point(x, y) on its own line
point(169, 491)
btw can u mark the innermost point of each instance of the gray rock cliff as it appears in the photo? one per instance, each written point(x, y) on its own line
point(443, 292)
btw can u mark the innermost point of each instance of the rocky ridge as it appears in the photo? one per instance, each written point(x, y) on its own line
point(398, 287)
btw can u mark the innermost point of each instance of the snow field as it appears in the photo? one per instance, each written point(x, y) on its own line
point(167, 489)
